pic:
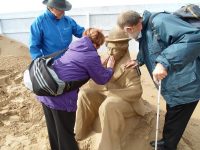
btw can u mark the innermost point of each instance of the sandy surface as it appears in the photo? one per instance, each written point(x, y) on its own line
point(12, 47)
point(22, 124)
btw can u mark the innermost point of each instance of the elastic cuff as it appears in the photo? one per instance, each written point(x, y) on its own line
point(111, 70)
point(160, 59)
point(139, 63)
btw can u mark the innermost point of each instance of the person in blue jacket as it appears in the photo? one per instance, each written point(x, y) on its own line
point(52, 31)
point(170, 49)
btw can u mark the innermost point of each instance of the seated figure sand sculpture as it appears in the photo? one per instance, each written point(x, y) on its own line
point(119, 99)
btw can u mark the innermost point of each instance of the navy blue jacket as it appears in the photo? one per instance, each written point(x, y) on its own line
point(175, 44)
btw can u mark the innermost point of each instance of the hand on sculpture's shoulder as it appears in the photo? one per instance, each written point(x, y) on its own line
point(131, 64)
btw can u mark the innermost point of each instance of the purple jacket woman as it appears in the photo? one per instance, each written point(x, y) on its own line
point(81, 61)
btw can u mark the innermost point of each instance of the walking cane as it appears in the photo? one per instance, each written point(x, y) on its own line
point(158, 114)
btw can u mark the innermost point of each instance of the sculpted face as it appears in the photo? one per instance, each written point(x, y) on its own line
point(117, 49)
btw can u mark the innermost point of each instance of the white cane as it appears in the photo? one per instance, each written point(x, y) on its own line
point(158, 114)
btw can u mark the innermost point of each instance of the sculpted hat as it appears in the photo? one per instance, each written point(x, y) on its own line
point(117, 35)
point(58, 4)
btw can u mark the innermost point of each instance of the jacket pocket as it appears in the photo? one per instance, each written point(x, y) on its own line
point(66, 34)
point(185, 79)
point(182, 88)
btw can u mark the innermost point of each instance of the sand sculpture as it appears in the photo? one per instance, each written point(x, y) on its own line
point(120, 99)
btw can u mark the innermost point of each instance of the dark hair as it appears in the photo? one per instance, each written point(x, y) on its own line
point(128, 18)
point(95, 35)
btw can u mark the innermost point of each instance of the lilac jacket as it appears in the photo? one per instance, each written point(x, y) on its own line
point(80, 61)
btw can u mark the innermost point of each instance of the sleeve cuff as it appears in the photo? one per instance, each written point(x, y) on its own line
point(139, 63)
point(162, 60)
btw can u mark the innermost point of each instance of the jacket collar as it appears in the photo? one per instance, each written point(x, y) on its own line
point(90, 44)
point(146, 16)
point(83, 44)
point(51, 15)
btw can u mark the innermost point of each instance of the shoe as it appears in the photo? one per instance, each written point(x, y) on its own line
point(160, 148)
point(160, 143)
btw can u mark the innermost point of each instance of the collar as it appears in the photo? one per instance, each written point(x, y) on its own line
point(146, 16)
point(139, 36)
point(51, 15)
point(90, 44)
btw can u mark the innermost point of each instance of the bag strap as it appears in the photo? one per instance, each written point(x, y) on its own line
point(72, 85)
point(190, 11)
point(55, 53)
point(194, 10)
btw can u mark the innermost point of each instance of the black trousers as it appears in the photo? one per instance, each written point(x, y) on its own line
point(176, 120)
point(60, 126)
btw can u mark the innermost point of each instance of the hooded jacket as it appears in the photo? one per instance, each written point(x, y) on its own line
point(174, 43)
point(80, 61)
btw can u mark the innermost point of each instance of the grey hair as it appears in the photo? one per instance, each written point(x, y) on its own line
point(128, 18)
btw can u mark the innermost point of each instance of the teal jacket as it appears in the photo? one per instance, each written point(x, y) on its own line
point(176, 44)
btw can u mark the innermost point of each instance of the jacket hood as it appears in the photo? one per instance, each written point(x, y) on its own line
point(83, 44)
point(146, 16)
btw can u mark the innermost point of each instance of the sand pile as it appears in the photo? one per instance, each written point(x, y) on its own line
point(21, 119)
point(10, 46)
point(22, 124)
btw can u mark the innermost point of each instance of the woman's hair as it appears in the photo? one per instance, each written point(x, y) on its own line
point(95, 35)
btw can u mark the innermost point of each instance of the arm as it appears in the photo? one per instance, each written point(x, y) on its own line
point(35, 40)
point(97, 72)
point(76, 29)
point(183, 41)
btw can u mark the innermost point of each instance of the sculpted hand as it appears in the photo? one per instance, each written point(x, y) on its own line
point(105, 61)
point(111, 62)
point(131, 64)
point(159, 73)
